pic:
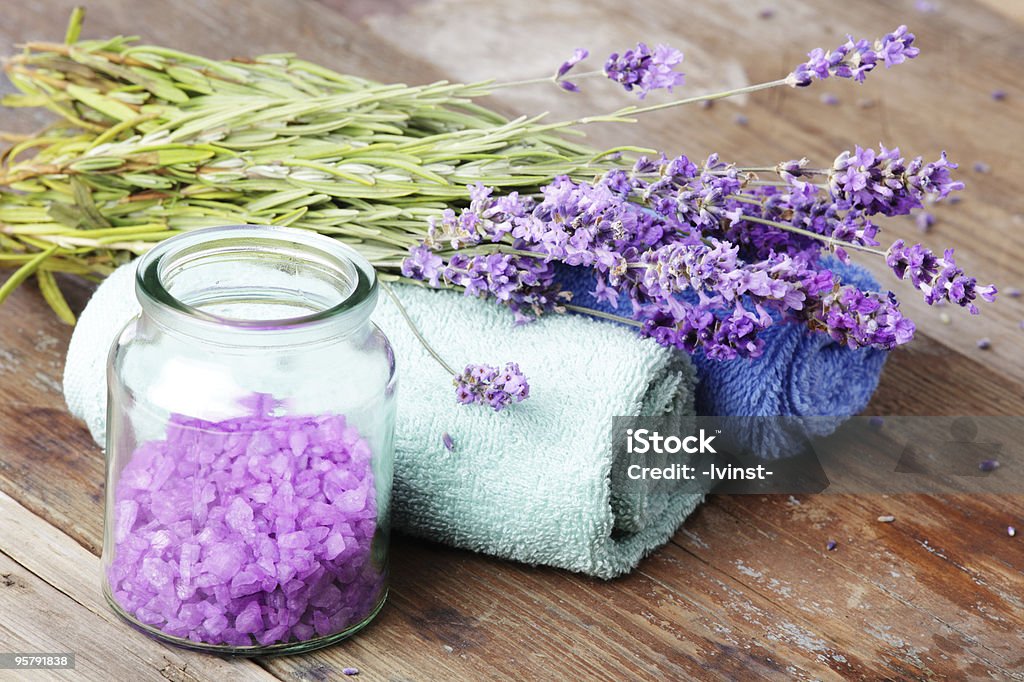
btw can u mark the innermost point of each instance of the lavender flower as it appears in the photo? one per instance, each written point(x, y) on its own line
point(882, 182)
point(578, 55)
point(939, 278)
point(423, 264)
point(854, 59)
point(446, 439)
point(859, 319)
point(524, 283)
point(487, 385)
point(644, 69)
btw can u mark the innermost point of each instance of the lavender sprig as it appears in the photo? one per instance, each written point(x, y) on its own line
point(645, 69)
point(855, 59)
point(482, 384)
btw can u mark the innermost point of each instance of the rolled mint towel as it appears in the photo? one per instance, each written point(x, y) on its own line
point(801, 374)
point(534, 483)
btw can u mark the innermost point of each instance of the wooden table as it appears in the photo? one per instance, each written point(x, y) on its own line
point(746, 588)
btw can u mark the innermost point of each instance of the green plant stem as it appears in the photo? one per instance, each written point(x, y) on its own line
point(583, 310)
point(415, 330)
point(813, 235)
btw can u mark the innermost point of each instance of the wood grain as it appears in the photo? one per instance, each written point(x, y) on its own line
point(747, 589)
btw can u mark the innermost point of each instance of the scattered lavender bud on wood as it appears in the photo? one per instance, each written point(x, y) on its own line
point(829, 99)
point(999, 95)
point(741, 120)
point(924, 221)
point(831, 545)
point(1013, 292)
point(984, 343)
point(886, 518)
point(925, 7)
point(988, 465)
point(981, 167)
point(350, 671)
point(876, 422)
point(766, 13)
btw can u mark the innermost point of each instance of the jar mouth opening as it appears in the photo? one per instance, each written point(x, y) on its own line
point(256, 278)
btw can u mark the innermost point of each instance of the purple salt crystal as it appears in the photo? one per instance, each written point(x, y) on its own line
point(249, 620)
point(126, 513)
point(193, 516)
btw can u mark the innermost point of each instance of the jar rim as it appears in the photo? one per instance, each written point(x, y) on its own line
point(152, 270)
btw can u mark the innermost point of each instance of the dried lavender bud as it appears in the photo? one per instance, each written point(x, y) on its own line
point(350, 671)
point(999, 95)
point(988, 465)
point(831, 545)
point(1013, 292)
point(449, 444)
point(829, 99)
point(984, 343)
point(578, 55)
point(982, 167)
point(741, 120)
point(924, 221)
point(876, 422)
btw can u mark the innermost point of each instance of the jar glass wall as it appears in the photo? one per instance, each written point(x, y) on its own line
point(250, 444)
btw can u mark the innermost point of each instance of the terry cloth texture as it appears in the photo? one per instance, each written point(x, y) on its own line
point(536, 482)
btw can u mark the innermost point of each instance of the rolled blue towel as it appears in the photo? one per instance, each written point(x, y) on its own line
point(801, 374)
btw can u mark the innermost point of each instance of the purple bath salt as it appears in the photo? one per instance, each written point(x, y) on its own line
point(248, 532)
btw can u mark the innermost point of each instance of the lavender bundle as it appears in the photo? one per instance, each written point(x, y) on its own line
point(435, 189)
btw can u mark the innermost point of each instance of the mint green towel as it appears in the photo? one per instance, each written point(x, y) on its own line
point(536, 482)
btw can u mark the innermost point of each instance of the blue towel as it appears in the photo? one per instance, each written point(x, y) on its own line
point(801, 374)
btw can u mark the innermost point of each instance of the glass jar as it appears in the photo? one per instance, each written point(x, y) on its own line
point(250, 444)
